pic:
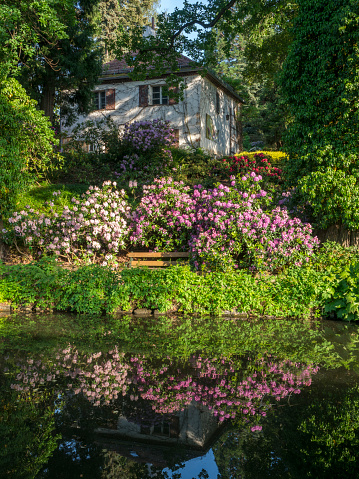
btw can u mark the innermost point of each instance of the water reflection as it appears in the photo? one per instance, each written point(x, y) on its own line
point(83, 411)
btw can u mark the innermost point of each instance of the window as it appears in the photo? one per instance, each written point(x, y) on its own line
point(99, 100)
point(104, 99)
point(211, 133)
point(166, 427)
point(159, 95)
point(217, 103)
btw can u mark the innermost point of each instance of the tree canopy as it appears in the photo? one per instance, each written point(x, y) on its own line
point(320, 86)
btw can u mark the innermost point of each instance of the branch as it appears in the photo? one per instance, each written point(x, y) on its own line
point(202, 24)
point(190, 24)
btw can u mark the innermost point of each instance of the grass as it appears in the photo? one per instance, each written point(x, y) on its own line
point(37, 196)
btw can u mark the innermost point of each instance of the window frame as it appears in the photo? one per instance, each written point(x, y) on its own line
point(218, 103)
point(161, 95)
point(99, 100)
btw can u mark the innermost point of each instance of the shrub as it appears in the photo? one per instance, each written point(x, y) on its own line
point(260, 164)
point(148, 135)
point(343, 295)
point(275, 157)
point(232, 228)
point(320, 86)
point(164, 217)
point(146, 146)
point(298, 292)
point(223, 227)
point(95, 224)
point(26, 143)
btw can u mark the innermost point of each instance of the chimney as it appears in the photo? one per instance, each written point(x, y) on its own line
point(149, 31)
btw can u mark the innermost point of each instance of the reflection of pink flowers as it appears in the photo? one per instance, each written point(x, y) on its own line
point(169, 387)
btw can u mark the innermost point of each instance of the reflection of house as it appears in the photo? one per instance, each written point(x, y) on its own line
point(206, 118)
point(194, 427)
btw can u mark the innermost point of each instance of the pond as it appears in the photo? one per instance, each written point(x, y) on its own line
point(177, 397)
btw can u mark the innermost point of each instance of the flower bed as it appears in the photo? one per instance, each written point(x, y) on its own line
point(223, 227)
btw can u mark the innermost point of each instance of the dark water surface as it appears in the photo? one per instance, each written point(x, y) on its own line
point(177, 397)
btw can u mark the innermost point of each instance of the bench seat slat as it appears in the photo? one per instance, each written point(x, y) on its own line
point(152, 263)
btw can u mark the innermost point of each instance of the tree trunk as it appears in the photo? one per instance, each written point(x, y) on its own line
point(339, 234)
point(3, 248)
point(48, 100)
point(239, 127)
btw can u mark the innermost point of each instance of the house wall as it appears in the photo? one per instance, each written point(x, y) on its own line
point(224, 140)
point(196, 426)
point(184, 115)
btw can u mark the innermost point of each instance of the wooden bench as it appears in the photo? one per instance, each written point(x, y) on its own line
point(135, 259)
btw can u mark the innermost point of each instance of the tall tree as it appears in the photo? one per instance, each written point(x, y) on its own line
point(111, 17)
point(23, 25)
point(250, 38)
point(65, 70)
point(267, 23)
point(320, 84)
point(26, 139)
point(262, 116)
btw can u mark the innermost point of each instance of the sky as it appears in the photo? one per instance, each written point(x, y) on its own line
point(170, 5)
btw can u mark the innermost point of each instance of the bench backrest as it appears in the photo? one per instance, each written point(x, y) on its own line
point(136, 259)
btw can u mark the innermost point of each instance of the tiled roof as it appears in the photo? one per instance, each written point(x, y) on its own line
point(120, 66)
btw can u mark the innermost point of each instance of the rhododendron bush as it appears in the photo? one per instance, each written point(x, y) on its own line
point(236, 224)
point(165, 216)
point(95, 224)
point(260, 163)
point(146, 144)
point(223, 227)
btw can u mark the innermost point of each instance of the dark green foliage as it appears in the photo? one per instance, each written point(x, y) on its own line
point(112, 17)
point(26, 143)
point(94, 289)
point(24, 26)
point(320, 84)
point(27, 430)
point(262, 116)
point(343, 296)
point(64, 72)
point(323, 426)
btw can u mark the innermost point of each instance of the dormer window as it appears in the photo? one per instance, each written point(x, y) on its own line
point(159, 95)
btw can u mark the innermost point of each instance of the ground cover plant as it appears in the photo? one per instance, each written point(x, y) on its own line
point(94, 289)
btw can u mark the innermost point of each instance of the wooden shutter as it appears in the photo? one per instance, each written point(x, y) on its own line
point(173, 101)
point(110, 99)
point(176, 138)
point(143, 95)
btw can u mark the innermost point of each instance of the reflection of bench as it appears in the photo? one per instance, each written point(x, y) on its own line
point(135, 259)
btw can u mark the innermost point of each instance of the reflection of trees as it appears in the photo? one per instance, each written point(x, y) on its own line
point(97, 388)
point(118, 467)
point(318, 437)
point(27, 432)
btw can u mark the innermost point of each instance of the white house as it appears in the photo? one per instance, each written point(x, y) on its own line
point(207, 117)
